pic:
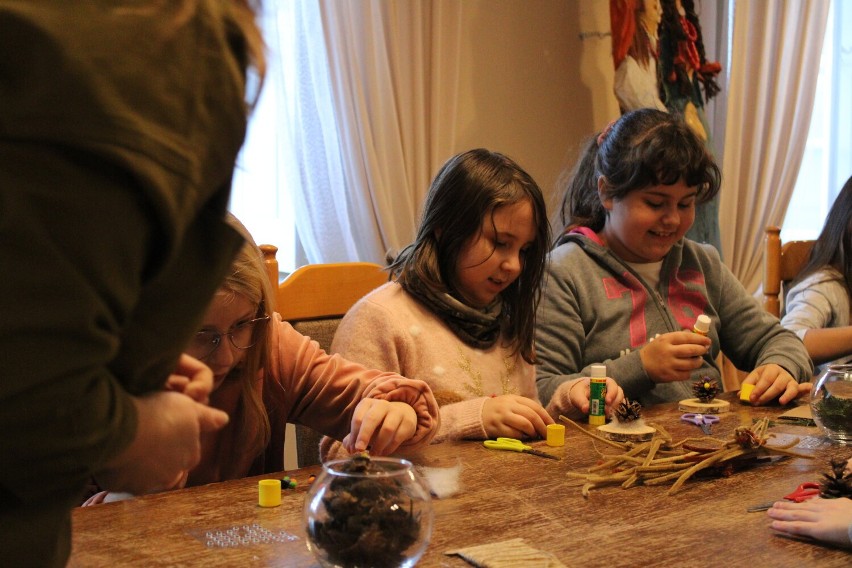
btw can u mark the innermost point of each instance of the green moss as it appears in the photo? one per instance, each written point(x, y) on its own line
point(835, 413)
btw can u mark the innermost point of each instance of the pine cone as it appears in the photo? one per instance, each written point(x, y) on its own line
point(628, 411)
point(747, 439)
point(706, 389)
point(838, 483)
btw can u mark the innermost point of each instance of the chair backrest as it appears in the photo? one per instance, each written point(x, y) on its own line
point(314, 298)
point(781, 264)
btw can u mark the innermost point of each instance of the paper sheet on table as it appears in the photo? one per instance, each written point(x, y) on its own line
point(507, 554)
point(803, 411)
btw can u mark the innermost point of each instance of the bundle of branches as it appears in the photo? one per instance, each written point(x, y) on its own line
point(662, 460)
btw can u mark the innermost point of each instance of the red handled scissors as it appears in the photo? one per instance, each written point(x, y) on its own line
point(703, 421)
point(802, 493)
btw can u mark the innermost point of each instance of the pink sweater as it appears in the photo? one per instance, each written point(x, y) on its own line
point(310, 387)
point(388, 329)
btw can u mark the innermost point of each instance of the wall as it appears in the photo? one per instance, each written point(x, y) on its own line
point(531, 88)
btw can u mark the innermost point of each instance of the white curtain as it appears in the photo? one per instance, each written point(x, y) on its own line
point(384, 107)
point(774, 66)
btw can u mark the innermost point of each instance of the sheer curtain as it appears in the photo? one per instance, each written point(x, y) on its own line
point(394, 78)
point(774, 66)
point(357, 112)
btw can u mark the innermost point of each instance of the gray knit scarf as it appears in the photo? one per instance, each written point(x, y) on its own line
point(477, 328)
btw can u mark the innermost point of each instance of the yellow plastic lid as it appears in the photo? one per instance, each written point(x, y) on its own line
point(555, 435)
point(269, 492)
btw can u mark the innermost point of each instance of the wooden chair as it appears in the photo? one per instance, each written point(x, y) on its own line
point(314, 298)
point(781, 264)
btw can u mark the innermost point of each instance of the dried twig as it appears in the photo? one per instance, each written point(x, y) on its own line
point(662, 460)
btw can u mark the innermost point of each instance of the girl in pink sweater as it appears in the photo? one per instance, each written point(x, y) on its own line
point(460, 314)
point(266, 374)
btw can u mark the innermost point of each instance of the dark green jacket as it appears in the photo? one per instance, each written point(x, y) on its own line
point(119, 128)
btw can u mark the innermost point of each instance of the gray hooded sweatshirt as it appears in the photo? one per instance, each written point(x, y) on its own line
point(596, 309)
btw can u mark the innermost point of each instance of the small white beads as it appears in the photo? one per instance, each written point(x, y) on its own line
point(245, 535)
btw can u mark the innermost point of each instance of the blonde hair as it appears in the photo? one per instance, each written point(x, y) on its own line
point(248, 278)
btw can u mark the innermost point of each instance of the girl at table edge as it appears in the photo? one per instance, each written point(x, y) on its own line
point(267, 374)
point(624, 287)
point(817, 307)
point(828, 520)
point(460, 313)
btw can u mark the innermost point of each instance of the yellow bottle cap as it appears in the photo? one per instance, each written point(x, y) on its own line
point(555, 435)
point(269, 492)
point(745, 392)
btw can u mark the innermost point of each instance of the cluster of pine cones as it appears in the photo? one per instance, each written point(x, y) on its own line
point(838, 483)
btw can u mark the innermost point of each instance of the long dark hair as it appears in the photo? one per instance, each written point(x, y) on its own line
point(833, 247)
point(468, 189)
point(643, 148)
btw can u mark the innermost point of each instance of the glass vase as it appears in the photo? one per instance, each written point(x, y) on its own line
point(831, 403)
point(368, 512)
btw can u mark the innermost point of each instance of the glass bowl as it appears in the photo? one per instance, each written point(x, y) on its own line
point(368, 512)
point(831, 403)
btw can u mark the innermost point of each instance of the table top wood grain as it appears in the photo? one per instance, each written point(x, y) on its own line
point(503, 495)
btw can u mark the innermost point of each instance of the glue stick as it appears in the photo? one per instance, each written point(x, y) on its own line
point(702, 325)
point(597, 395)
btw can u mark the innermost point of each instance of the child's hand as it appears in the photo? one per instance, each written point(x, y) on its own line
point(673, 356)
point(823, 519)
point(772, 381)
point(193, 378)
point(580, 392)
point(380, 426)
point(95, 499)
point(106, 497)
point(514, 416)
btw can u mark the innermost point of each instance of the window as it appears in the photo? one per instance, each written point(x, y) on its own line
point(827, 162)
point(262, 196)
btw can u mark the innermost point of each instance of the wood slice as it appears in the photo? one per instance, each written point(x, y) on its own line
point(713, 407)
point(619, 433)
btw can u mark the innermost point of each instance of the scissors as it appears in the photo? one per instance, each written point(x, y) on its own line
point(513, 445)
point(802, 493)
point(703, 421)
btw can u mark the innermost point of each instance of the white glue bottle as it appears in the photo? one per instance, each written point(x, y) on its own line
point(702, 325)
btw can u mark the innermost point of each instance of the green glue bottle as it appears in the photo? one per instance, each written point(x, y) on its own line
point(597, 395)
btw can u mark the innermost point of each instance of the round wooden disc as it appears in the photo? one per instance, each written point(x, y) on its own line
point(618, 433)
point(713, 407)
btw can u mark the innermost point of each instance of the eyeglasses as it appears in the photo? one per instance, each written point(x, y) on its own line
point(241, 336)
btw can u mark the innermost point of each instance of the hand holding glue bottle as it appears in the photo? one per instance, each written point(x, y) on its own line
point(597, 395)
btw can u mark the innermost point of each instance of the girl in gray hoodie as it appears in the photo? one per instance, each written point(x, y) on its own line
point(624, 286)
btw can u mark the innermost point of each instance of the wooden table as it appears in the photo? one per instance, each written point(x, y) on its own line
point(504, 495)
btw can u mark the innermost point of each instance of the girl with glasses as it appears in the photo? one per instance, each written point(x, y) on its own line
point(266, 374)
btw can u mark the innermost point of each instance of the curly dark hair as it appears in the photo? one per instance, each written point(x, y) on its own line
point(643, 148)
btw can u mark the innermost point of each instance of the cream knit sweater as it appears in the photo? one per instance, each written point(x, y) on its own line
point(389, 330)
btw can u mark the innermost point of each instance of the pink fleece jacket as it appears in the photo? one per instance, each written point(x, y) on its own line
point(311, 387)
